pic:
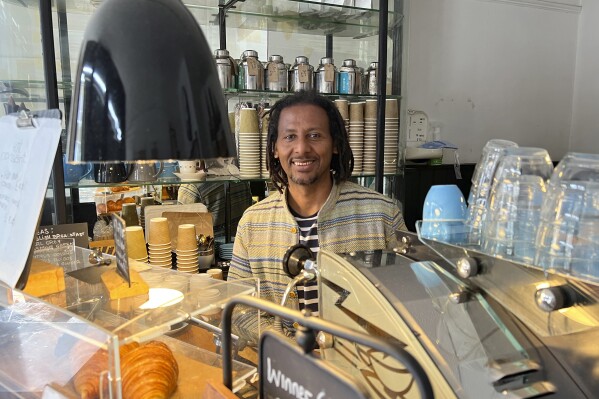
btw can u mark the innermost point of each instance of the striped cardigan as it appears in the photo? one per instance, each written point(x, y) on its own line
point(352, 219)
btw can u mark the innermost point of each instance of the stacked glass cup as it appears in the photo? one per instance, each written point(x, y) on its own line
point(513, 208)
point(568, 235)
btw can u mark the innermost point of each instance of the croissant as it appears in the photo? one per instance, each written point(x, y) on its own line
point(87, 379)
point(149, 372)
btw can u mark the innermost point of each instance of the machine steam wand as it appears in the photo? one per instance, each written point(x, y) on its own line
point(299, 264)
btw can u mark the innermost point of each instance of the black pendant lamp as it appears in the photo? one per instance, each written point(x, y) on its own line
point(147, 88)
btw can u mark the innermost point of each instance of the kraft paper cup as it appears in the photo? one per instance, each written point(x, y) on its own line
point(356, 112)
point(159, 233)
point(232, 120)
point(215, 273)
point(343, 107)
point(136, 243)
point(186, 237)
point(391, 108)
point(129, 215)
point(370, 109)
point(248, 120)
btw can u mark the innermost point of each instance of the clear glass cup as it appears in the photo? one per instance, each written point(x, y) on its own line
point(513, 216)
point(568, 236)
point(482, 180)
point(517, 161)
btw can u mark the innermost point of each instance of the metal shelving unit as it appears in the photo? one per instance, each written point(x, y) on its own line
point(290, 16)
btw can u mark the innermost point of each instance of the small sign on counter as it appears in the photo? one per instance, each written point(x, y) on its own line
point(76, 231)
point(286, 372)
point(120, 244)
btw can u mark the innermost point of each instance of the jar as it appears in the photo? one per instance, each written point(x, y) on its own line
point(301, 75)
point(349, 78)
point(226, 69)
point(251, 71)
point(371, 80)
point(326, 76)
point(275, 74)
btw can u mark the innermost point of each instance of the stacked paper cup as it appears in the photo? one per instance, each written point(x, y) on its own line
point(369, 157)
point(263, 146)
point(343, 107)
point(356, 134)
point(187, 249)
point(391, 136)
point(249, 144)
point(136, 243)
point(159, 242)
point(144, 201)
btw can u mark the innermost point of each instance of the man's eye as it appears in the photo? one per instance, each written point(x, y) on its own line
point(314, 135)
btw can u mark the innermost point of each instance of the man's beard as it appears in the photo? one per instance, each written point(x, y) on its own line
point(304, 181)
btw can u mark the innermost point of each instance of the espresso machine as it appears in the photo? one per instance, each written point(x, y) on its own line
point(480, 326)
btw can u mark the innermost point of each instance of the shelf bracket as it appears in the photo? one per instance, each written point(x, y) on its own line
point(222, 24)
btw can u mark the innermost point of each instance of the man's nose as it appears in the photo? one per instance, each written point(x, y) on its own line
point(302, 145)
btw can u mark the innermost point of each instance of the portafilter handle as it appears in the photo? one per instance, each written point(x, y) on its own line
point(298, 258)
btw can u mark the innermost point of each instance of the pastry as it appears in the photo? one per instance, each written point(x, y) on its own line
point(87, 379)
point(149, 371)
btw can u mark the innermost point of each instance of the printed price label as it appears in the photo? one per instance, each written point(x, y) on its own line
point(329, 73)
point(273, 75)
point(304, 73)
point(77, 231)
point(253, 67)
point(57, 251)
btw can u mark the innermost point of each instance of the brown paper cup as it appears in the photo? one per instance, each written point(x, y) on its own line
point(136, 243)
point(186, 237)
point(232, 121)
point(215, 273)
point(159, 233)
point(391, 108)
point(370, 109)
point(356, 112)
point(248, 120)
point(343, 107)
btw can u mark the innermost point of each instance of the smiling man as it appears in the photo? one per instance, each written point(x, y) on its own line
point(309, 160)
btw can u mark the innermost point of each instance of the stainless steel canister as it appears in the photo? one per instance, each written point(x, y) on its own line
point(349, 78)
point(251, 71)
point(370, 80)
point(275, 74)
point(326, 76)
point(226, 69)
point(301, 75)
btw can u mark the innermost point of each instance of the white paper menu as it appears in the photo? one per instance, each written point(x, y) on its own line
point(26, 158)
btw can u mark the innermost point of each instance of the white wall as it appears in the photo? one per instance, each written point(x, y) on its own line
point(491, 69)
point(585, 118)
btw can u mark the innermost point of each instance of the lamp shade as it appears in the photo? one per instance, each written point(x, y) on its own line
point(146, 87)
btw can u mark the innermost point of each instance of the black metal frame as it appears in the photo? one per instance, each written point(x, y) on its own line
point(420, 377)
point(60, 203)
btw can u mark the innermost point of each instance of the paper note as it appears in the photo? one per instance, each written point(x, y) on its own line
point(26, 157)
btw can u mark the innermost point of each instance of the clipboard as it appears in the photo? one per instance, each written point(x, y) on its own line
point(25, 168)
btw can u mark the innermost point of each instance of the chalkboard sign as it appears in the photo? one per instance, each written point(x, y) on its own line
point(120, 244)
point(286, 372)
point(57, 251)
point(77, 231)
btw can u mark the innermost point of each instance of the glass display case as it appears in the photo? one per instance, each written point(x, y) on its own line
point(75, 334)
